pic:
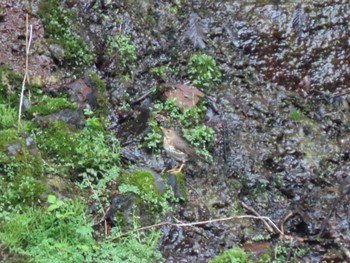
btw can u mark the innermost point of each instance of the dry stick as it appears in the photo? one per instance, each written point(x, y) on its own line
point(28, 42)
point(251, 209)
point(199, 223)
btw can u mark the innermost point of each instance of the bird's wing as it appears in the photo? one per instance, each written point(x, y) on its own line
point(185, 147)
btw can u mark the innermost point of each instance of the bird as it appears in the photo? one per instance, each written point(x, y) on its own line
point(178, 149)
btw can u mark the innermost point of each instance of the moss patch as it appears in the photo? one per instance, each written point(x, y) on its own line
point(10, 84)
point(144, 181)
point(21, 172)
point(57, 142)
point(48, 105)
point(100, 92)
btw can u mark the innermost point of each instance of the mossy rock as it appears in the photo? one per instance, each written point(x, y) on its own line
point(57, 141)
point(10, 83)
point(21, 170)
point(178, 185)
point(48, 105)
point(7, 137)
point(99, 87)
point(146, 181)
point(148, 186)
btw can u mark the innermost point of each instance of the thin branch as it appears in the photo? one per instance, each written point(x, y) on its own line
point(251, 209)
point(200, 223)
point(28, 42)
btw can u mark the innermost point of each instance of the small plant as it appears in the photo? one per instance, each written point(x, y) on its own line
point(160, 71)
point(154, 137)
point(203, 71)
point(126, 50)
point(296, 115)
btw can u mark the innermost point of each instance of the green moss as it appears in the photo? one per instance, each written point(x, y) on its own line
point(7, 137)
point(233, 255)
point(57, 141)
point(296, 115)
point(181, 185)
point(100, 93)
point(146, 185)
point(21, 172)
point(144, 181)
point(49, 105)
point(8, 117)
point(59, 24)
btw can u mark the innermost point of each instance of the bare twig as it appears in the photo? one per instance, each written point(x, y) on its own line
point(199, 223)
point(25, 78)
point(251, 209)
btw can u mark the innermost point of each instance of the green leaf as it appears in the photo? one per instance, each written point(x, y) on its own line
point(51, 199)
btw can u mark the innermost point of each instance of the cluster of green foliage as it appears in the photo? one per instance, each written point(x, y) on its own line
point(62, 233)
point(21, 173)
point(59, 23)
point(60, 230)
point(203, 71)
point(297, 115)
point(189, 119)
point(143, 184)
point(126, 50)
point(285, 251)
point(8, 116)
point(233, 255)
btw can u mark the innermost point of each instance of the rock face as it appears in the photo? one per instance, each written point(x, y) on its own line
point(281, 111)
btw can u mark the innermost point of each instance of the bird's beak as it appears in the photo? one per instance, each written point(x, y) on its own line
point(163, 129)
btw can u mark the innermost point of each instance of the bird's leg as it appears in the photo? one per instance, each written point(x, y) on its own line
point(173, 170)
point(177, 169)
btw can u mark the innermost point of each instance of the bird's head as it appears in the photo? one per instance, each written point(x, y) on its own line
point(168, 133)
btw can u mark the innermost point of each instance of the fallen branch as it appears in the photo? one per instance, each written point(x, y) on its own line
point(199, 223)
point(251, 209)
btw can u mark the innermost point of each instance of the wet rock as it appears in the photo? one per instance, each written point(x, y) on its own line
point(177, 184)
point(57, 52)
point(14, 148)
point(123, 203)
point(187, 96)
point(82, 94)
point(72, 117)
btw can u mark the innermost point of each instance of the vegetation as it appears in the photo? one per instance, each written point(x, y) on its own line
point(62, 233)
point(126, 51)
point(38, 224)
point(190, 120)
point(203, 71)
point(47, 105)
point(233, 255)
point(59, 29)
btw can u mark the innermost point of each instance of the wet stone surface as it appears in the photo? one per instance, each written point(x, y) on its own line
point(281, 113)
